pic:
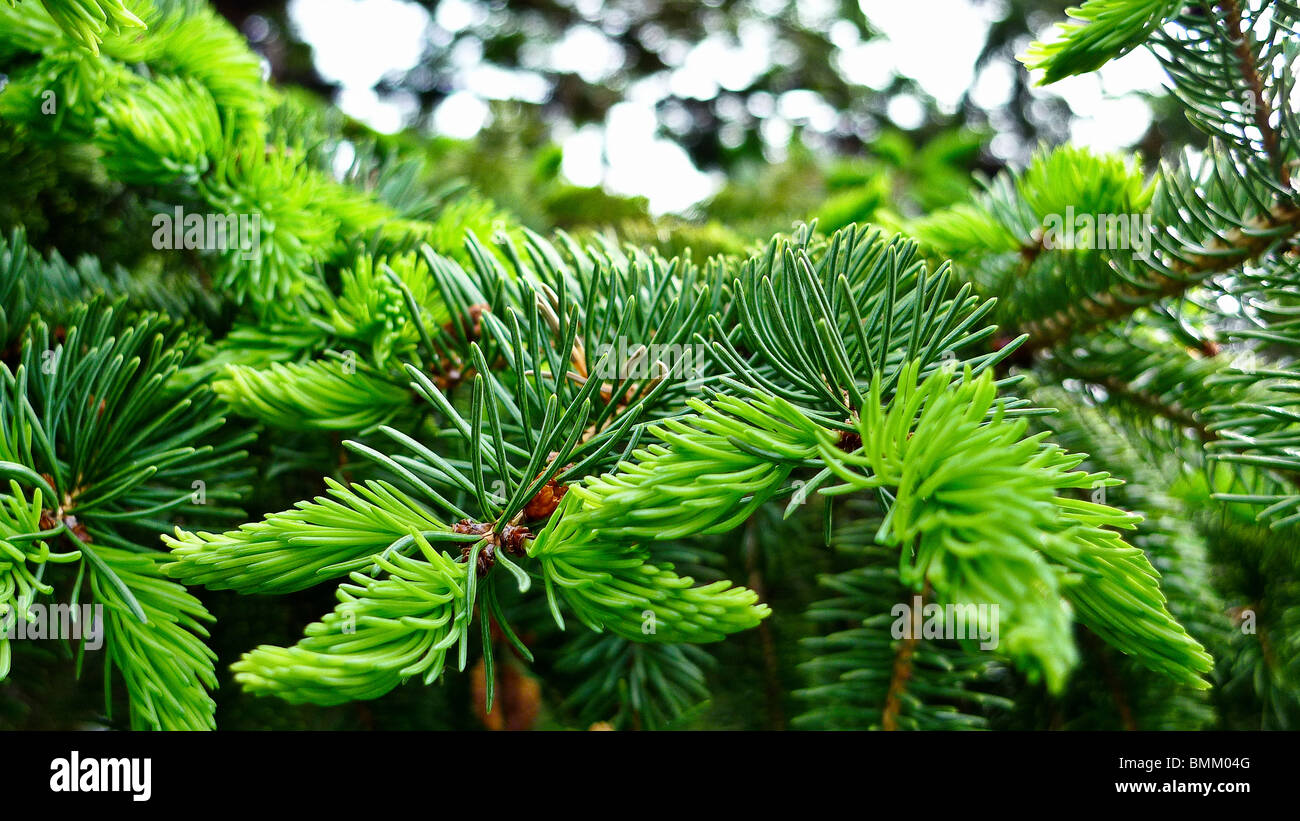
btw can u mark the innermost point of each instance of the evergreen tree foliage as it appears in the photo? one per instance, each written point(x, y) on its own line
point(665, 474)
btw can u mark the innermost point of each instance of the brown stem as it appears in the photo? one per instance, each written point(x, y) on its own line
point(900, 675)
point(1092, 311)
point(345, 472)
point(1243, 44)
point(1266, 645)
point(1169, 410)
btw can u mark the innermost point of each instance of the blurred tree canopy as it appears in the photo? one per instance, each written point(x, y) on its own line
point(793, 67)
point(783, 120)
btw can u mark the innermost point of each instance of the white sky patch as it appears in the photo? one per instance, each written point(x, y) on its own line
point(1004, 146)
point(461, 115)
point(993, 86)
point(583, 161)
point(626, 158)
point(356, 43)
point(940, 55)
point(905, 111)
point(776, 136)
point(816, 13)
point(1111, 111)
point(801, 105)
point(385, 116)
point(1138, 70)
point(1116, 124)
point(716, 62)
point(454, 15)
point(343, 158)
point(641, 164)
point(587, 52)
point(868, 64)
point(496, 83)
point(934, 43)
point(1111, 114)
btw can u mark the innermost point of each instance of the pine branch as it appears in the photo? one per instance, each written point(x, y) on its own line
point(1245, 48)
point(1107, 29)
point(87, 21)
point(500, 393)
point(92, 428)
point(633, 684)
point(1240, 246)
point(382, 632)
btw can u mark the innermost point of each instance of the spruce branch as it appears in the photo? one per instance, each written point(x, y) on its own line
point(87, 21)
point(632, 684)
point(381, 632)
point(524, 441)
point(1245, 49)
point(1106, 29)
point(856, 675)
point(334, 535)
point(96, 431)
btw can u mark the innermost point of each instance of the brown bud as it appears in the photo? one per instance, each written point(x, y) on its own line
point(473, 324)
point(546, 501)
point(471, 527)
point(512, 539)
point(850, 441)
point(51, 519)
point(78, 529)
point(487, 557)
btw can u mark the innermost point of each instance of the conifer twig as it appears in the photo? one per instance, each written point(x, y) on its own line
point(901, 674)
point(1241, 245)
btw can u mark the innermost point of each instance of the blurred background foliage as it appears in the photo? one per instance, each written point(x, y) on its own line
point(797, 131)
point(784, 105)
